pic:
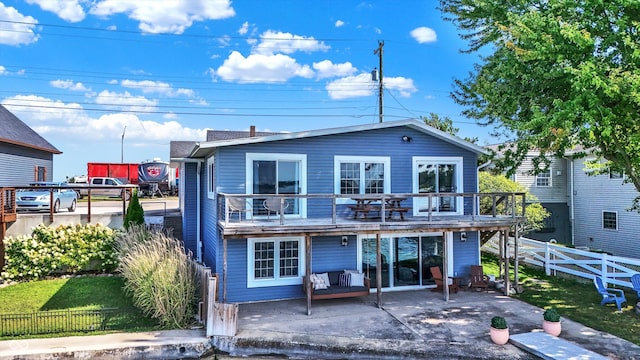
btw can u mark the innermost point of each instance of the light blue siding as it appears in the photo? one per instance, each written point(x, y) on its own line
point(190, 209)
point(327, 253)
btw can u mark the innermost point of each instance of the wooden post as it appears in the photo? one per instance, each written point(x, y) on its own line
point(89, 205)
point(51, 205)
point(307, 271)
point(222, 318)
point(378, 272)
point(516, 263)
point(124, 203)
point(211, 304)
point(3, 233)
point(445, 267)
point(506, 263)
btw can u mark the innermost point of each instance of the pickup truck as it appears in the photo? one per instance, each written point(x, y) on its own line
point(102, 186)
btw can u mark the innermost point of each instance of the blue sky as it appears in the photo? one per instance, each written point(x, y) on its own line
point(80, 71)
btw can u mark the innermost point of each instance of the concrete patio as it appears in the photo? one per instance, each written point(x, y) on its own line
point(413, 324)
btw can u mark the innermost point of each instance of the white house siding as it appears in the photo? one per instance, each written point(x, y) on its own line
point(556, 193)
point(592, 196)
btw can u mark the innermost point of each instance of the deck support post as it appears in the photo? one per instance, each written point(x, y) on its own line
point(507, 285)
point(445, 266)
point(307, 271)
point(516, 263)
point(378, 272)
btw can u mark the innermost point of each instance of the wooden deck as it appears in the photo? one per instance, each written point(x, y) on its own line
point(260, 227)
point(350, 219)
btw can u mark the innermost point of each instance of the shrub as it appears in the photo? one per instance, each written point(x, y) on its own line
point(551, 315)
point(498, 322)
point(63, 249)
point(158, 275)
point(135, 212)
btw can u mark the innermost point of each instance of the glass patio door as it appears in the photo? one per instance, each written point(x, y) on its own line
point(276, 177)
point(406, 260)
point(433, 177)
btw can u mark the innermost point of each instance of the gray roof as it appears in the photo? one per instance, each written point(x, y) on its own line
point(216, 135)
point(14, 131)
point(204, 149)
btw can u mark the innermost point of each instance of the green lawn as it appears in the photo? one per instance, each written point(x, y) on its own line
point(575, 300)
point(79, 293)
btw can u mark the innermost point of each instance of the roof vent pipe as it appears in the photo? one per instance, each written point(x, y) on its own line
point(252, 131)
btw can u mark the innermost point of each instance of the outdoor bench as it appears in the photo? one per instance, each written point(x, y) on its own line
point(335, 290)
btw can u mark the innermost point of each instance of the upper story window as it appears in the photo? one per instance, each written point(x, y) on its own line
point(275, 261)
point(615, 174)
point(543, 179)
point(211, 178)
point(271, 173)
point(610, 220)
point(359, 175)
point(437, 175)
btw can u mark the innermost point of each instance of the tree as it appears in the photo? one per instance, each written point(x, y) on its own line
point(444, 124)
point(135, 212)
point(535, 214)
point(560, 75)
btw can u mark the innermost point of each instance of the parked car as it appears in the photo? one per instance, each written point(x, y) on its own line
point(39, 199)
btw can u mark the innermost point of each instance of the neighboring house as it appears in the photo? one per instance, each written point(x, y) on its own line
point(25, 156)
point(586, 211)
point(318, 178)
point(550, 187)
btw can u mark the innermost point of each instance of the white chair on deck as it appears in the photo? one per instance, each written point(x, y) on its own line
point(239, 205)
point(272, 205)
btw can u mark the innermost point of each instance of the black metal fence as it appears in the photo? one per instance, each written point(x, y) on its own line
point(62, 321)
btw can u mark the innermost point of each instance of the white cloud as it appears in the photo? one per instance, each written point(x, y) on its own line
point(261, 68)
point(3, 70)
point(339, 23)
point(424, 35)
point(68, 85)
point(69, 10)
point(272, 42)
point(165, 16)
point(403, 85)
point(326, 69)
point(125, 101)
point(159, 87)
point(351, 86)
point(70, 121)
point(244, 28)
point(18, 29)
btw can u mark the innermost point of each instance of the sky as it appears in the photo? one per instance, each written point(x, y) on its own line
point(118, 80)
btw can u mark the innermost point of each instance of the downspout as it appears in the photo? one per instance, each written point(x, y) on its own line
point(571, 201)
point(478, 202)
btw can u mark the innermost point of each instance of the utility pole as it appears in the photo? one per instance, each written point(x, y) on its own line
point(378, 51)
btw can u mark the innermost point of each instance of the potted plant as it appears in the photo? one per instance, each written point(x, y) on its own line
point(551, 324)
point(499, 330)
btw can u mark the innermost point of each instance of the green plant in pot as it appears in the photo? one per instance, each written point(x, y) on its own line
point(551, 324)
point(499, 330)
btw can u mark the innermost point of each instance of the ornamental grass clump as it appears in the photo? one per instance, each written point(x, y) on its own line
point(65, 249)
point(158, 275)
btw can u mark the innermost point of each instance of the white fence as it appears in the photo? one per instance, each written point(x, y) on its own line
point(556, 258)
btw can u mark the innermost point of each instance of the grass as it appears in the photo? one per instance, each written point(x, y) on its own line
point(577, 300)
point(79, 293)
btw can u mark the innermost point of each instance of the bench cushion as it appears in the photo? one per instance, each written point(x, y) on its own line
point(333, 290)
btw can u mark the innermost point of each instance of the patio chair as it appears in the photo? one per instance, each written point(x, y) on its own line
point(635, 281)
point(239, 205)
point(478, 279)
point(609, 295)
point(437, 277)
point(272, 205)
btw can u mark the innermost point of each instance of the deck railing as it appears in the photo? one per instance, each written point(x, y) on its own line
point(494, 205)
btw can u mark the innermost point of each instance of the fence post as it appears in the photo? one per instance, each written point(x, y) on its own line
point(547, 259)
point(604, 274)
point(211, 303)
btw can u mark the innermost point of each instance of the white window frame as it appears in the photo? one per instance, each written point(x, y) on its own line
point(211, 187)
point(302, 158)
point(549, 178)
point(276, 281)
point(341, 159)
point(617, 220)
point(458, 161)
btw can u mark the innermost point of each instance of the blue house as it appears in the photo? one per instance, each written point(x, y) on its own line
point(266, 211)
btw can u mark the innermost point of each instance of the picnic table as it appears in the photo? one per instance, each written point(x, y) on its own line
point(365, 206)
